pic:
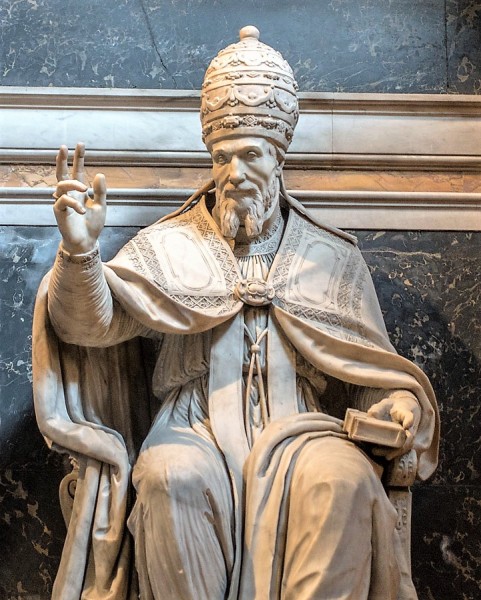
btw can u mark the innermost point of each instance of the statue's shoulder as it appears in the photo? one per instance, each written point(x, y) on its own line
point(187, 240)
point(306, 215)
point(190, 217)
point(183, 256)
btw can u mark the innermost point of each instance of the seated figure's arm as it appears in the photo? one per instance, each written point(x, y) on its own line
point(80, 304)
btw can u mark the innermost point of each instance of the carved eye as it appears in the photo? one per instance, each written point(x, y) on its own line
point(251, 155)
point(220, 159)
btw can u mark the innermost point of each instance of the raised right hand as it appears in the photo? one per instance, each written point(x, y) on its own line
point(80, 218)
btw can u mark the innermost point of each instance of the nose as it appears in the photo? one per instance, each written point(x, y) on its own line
point(236, 171)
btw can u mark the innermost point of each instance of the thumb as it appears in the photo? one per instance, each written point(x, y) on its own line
point(379, 410)
point(100, 189)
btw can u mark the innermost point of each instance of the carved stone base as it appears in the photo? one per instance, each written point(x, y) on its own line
point(401, 499)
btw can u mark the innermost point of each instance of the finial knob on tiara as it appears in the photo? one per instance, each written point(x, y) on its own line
point(249, 31)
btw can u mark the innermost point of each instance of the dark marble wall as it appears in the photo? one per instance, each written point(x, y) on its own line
point(339, 45)
point(32, 531)
point(429, 291)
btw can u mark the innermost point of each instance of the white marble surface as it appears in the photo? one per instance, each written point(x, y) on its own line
point(162, 127)
point(134, 123)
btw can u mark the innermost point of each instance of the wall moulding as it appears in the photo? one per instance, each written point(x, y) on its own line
point(161, 128)
point(296, 160)
point(449, 211)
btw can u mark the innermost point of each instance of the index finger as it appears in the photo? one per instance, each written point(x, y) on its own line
point(78, 162)
point(379, 410)
point(62, 163)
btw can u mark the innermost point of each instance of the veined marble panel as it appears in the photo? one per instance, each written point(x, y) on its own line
point(463, 38)
point(377, 45)
point(429, 289)
point(446, 555)
point(38, 176)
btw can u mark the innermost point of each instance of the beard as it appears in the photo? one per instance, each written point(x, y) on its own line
point(251, 209)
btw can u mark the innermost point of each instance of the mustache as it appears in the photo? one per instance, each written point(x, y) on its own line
point(234, 190)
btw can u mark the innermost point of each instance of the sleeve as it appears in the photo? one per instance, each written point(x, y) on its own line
point(81, 307)
point(363, 398)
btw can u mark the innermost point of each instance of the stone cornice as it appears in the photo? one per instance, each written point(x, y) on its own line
point(135, 99)
point(161, 128)
point(347, 209)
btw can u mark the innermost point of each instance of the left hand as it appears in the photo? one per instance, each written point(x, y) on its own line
point(404, 410)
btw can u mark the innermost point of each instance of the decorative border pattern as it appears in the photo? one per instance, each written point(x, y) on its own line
point(266, 243)
point(144, 258)
point(345, 323)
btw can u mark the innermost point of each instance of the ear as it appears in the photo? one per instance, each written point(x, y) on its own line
point(280, 166)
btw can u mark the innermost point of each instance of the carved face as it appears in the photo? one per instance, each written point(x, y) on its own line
point(245, 171)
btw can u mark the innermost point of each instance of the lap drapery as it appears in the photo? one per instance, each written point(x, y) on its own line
point(182, 519)
point(318, 522)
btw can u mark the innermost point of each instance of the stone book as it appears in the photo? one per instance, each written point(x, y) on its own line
point(362, 428)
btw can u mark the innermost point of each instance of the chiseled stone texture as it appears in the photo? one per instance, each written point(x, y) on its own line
point(369, 46)
point(429, 291)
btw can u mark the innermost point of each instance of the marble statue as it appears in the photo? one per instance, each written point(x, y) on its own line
point(265, 327)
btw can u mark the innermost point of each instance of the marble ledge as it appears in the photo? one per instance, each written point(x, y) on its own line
point(41, 176)
point(362, 132)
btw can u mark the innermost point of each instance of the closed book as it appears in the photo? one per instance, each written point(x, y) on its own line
point(362, 428)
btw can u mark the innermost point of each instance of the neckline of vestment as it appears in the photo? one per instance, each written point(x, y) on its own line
point(284, 236)
point(267, 243)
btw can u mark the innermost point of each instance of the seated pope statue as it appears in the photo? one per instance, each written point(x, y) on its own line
point(219, 468)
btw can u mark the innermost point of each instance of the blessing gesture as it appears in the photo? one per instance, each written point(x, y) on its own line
point(80, 218)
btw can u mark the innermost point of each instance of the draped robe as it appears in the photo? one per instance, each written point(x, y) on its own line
point(179, 277)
